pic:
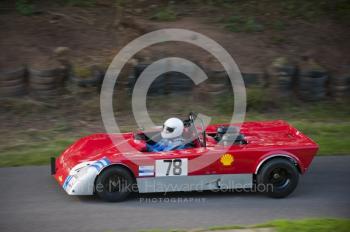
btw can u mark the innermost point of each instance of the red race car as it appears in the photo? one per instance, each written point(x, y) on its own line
point(265, 156)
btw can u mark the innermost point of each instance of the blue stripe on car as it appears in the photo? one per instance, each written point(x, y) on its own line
point(108, 162)
point(98, 168)
point(66, 182)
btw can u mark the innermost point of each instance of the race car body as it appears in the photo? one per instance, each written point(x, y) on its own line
point(270, 152)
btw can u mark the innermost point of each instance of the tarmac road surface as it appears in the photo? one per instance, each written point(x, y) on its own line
point(31, 200)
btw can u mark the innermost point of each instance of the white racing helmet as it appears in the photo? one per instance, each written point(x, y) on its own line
point(172, 128)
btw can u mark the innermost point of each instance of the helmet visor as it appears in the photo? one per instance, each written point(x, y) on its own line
point(168, 129)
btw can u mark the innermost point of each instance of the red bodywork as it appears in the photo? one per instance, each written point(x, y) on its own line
point(265, 140)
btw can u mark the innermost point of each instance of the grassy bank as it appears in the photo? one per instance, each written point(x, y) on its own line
point(327, 123)
point(32, 154)
point(331, 136)
point(306, 225)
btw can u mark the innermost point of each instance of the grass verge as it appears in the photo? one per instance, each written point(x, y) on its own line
point(305, 225)
point(32, 154)
point(308, 225)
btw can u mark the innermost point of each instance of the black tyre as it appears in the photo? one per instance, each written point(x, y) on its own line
point(252, 79)
point(13, 74)
point(307, 83)
point(43, 80)
point(45, 72)
point(12, 91)
point(13, 82)
point(114, 184)
point(46, 92)
point(285, 83)
point(278, 178)
point(39, 87)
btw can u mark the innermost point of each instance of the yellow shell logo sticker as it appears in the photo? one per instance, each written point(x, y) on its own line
point(227, 159)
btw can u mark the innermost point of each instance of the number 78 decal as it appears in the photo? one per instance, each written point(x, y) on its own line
point(171, 167)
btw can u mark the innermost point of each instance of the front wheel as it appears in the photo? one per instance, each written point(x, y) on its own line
point(278, 178)
point(114, 184)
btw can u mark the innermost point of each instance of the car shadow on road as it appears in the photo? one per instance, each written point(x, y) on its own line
point(176, 197)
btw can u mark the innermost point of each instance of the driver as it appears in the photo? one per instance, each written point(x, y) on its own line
point(171, 137)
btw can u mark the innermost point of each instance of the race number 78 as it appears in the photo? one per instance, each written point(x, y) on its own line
point(175, 164)
point(171, 167)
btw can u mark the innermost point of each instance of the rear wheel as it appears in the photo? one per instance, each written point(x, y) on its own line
point(278, 178)
point(114, 184)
